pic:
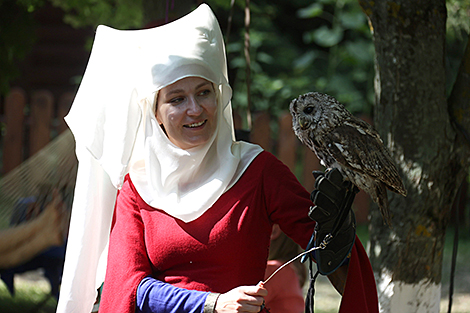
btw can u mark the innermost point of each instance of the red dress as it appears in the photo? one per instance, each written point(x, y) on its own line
point(225, 248)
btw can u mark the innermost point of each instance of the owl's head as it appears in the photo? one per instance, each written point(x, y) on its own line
point(314, 110)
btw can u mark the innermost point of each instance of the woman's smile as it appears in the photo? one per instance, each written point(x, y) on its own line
point(195, 125)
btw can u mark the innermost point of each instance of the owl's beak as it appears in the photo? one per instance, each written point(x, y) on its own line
point(304, 123)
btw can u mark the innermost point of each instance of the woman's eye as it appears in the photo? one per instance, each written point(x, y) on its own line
point(176, 100)
point(205, 92)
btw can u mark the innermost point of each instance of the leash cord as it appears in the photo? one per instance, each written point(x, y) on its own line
point(322, 246)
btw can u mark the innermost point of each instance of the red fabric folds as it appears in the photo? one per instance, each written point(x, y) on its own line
point(360, 293)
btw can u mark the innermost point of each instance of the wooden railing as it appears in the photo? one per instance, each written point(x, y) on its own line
point(31, 122)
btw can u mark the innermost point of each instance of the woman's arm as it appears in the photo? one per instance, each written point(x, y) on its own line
point(156, 296)
point(21, 243)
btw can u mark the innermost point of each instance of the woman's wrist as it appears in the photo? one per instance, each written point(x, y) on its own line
point(211, 301)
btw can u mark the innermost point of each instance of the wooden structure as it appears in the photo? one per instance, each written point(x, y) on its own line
point(58, 57)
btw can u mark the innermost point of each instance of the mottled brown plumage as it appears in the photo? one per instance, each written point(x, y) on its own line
point(343, 141)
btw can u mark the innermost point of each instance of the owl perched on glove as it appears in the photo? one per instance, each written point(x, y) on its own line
point(343, 141)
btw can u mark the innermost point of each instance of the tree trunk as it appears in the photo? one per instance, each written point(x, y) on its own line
point(411, 116)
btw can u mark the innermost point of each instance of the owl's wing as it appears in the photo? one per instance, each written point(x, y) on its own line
point(361, 149)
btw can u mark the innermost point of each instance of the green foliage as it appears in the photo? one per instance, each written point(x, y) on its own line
point(326, 46)
point(123, 14)
point(16, 39)
point(458, 30)
point(458, 18)
point(297, 47)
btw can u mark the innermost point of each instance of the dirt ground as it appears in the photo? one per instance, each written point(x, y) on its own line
point(327, 300)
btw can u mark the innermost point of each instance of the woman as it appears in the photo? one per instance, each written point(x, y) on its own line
point(194, 211)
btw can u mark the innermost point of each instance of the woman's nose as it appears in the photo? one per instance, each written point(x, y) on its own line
point(194, 108)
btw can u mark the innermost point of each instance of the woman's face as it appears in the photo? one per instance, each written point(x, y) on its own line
point(188, 111)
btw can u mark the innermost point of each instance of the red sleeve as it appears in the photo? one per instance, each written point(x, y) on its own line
point(127, 258)
point(360, 293)
point(288, 203)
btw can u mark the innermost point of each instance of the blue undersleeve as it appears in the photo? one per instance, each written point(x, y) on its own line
point(156, 296)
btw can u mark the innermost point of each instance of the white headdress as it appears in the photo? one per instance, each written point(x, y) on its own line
point(116, 132)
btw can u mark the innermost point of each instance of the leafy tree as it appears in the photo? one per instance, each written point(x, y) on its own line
point(298, 47)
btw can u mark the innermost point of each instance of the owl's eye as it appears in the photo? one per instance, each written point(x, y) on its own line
point(308, 110)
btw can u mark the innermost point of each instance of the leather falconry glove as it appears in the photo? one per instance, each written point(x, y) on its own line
point(336, 222)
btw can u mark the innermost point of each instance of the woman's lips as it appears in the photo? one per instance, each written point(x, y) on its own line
point(194, 125)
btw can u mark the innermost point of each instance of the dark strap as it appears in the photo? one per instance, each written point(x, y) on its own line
point(454, 250)
point(309, 299)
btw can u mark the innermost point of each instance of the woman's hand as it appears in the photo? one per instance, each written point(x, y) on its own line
point(241, 299)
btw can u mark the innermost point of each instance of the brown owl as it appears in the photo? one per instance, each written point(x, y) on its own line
point(343, 141)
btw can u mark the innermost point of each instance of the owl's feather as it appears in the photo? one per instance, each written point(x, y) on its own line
point(343, 141)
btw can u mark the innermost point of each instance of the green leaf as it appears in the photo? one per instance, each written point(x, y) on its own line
point(305, 60)
point(313, 10)
point(360, 50)
point(327, 37)
point(353, 19)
